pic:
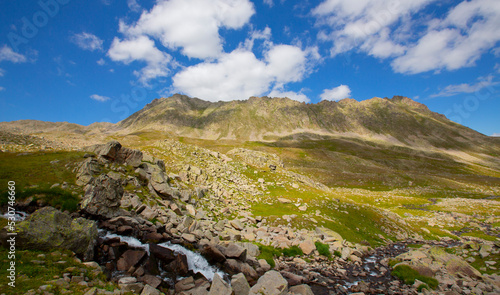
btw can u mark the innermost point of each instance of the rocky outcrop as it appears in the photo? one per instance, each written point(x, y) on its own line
point(102, 197)
point(49, 228)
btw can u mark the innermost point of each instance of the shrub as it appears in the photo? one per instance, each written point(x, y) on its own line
point(292, 251)
point(267, 253)
point(408, 275)
point(323, 249)
point(337, 253)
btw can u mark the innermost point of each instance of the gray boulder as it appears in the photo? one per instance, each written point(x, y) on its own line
point(271, 283)
point(300, 290)
point(49, 228)
point(103, 197)
point(240, 284)
point(219, 287)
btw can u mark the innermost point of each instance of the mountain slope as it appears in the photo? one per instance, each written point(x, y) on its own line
point(400, 120)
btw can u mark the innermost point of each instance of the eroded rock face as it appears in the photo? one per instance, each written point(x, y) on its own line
point(102, 197)
point(49, 228)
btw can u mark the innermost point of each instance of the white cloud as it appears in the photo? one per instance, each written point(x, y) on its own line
point(99, 97)
point(143, 49)
point(101, 62)
point(87, 41)
point(361, 23)
point(191, 25)
point(2, 88)
point(2, 72)
point(299, 96)
point(451, 90)
point(337, 93)
point(133, 5)
point(402, 30)
point(269, 3)
point(239, 74)
point(6, 53)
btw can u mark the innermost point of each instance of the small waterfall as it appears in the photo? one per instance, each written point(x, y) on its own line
point(196, 262)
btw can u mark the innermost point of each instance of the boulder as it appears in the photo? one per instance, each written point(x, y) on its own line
point(300, 290)
point(184, 284)
point(307, 247)
point(103, 197)
point(212, 254)
point(161, 253)
point(87, 171)
point(149, 290)
point(271, 283)
point(49, 228)
point(233, 266)
point(240, 284)
point(129, 157)
point(292, 278)
point(235, 251)
point(130, 258)
point(219, 287)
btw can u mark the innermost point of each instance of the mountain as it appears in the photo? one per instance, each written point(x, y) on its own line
point(399, 120)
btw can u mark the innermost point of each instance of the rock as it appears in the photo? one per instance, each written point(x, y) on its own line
point(212, 254)
point(307, 247)
point(149, 213)
point(180, 265)
point(129, 157)
point(103, 197)
point(233, 266)
point(130, 258)
point(189, 238)
point(49, 228)
point(292, 278)
point(300, 290)
point(190, 209)
point(219, 287)
point(264, 265)
point(108, 150)
point(485, 250)
point(235, 251)
point(151, 281)
point(134, 288)
point(149, 290)
point(236, 224)
point(184, 284)
point(163, 254)
point(127, 280)
point(271, 283)
point(284, 201)
point(240, 284)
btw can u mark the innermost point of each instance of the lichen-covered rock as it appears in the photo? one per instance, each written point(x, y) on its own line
point(49, 228)
point(103, 197)
point(219, 287)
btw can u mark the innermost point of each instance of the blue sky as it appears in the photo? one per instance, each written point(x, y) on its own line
point(102, 60)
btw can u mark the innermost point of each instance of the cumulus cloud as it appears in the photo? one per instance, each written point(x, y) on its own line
point(191, 25)
point(99, 98)
point(336, 94)
point(87, 41)
point(101, 62)
point(143, 49)
point(6, 53)
point(240, 74)
point(450, 90)
point(386, 29)
point(299, 96)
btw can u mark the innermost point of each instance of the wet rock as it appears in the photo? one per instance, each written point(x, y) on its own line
point(292, 278)
point(233, 266)
point(184, 284)
point(163, 254)
point(130, 258)
point(212, 254)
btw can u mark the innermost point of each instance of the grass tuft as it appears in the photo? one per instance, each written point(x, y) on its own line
point(323, 249)
point(408, 275)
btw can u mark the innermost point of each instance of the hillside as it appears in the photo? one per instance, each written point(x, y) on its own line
point(399, 120)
